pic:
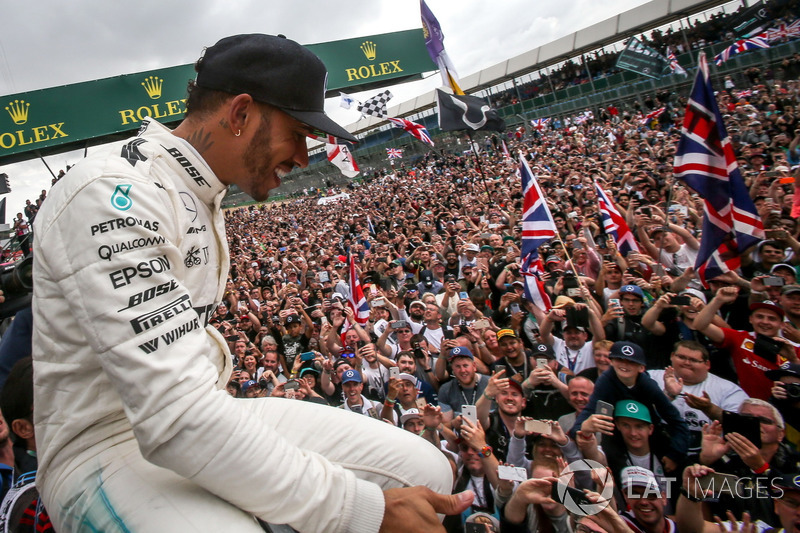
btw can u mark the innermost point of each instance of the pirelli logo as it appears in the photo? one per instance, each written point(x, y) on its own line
point(161, 315)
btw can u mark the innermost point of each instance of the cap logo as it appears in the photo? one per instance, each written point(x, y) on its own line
point(542, 348)
point(456, 350)
point(632, 408)
point(628, 289)
point(627, 350)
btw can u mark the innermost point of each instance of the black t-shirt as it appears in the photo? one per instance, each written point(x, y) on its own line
point(293, 347)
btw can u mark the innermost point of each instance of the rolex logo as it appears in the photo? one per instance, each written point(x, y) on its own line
point(369, 48)
point(152, 85)
point(18, 109)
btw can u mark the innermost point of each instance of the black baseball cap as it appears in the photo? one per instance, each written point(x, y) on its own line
point(273, 70)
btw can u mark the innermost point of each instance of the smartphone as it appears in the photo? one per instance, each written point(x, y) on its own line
point(470, 412)
point(464, 296)
point(498, 368)
point(604, 408)
point(647, 211)
point(774, 281)
point(538, 426)
point(481, 324)
point(292, 385)
point(232, 338)
point(614, 302)
point(683, 300)
point(474, 527)
point(399, 324)
point(512, 473)
point(560, 490)
point(541, 363)
point(394, 371)
point(421, 403)
point(378, 302)
point(308, 356)
point(747, 426)
point(514, 308)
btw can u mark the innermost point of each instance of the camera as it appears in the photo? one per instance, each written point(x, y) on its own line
point(792, 390)
point(16, 282)
point(418, 354)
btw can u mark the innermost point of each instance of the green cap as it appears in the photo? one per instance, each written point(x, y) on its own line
point(632, 409)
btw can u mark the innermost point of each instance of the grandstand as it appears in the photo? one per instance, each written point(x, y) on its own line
point(573, 73)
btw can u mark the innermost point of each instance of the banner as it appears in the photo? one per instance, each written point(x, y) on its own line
point(752, 21)
point(66, 117)
point(642, 59)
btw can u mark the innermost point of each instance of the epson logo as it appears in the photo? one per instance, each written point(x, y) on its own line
point(145, 269)
point(161, 315)
point(150, 293)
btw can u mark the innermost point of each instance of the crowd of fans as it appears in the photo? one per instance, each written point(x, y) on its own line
point(637, 366)
point(696, 35)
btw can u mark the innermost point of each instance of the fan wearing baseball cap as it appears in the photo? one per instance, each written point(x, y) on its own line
point(627, 380)
point(111, 445)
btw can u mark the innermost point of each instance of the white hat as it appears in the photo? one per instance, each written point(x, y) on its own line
point(471, 247)
point(636, 476)
point(410, 414)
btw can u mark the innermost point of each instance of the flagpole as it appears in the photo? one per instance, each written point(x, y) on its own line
point(477, 161)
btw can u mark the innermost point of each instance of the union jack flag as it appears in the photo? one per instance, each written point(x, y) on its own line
point(394, 153)
point(540, 124)
point(356, 300)
point(505, 150)
point(784, 31)
point(537, 228)
point(673, 63)
point(743, 45)
point(417, 130)
point(614, 224)
point(705, 162)
point(652, 115)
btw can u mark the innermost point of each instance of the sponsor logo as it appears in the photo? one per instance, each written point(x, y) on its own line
point(205, 312)
point(187, 166)
point(120, 199)
point(19, 110)
point(189, 204)
point(130, 152)
point(201, 229)
point(627, 350)
point(193, 257)
point(748, 345)
point(369, 48)
point(124, 276)
point(106, 251)
point(118, 223)
point(161, 315)
point(755, 364)
point(150, 293)
point(152, 86)
point(170, 336)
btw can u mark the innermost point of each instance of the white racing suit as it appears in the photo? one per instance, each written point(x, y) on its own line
point(134, 429)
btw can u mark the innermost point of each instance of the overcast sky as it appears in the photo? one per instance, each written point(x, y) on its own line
point(49, 43)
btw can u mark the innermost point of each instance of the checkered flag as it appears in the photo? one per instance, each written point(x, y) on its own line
point(376, 106)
